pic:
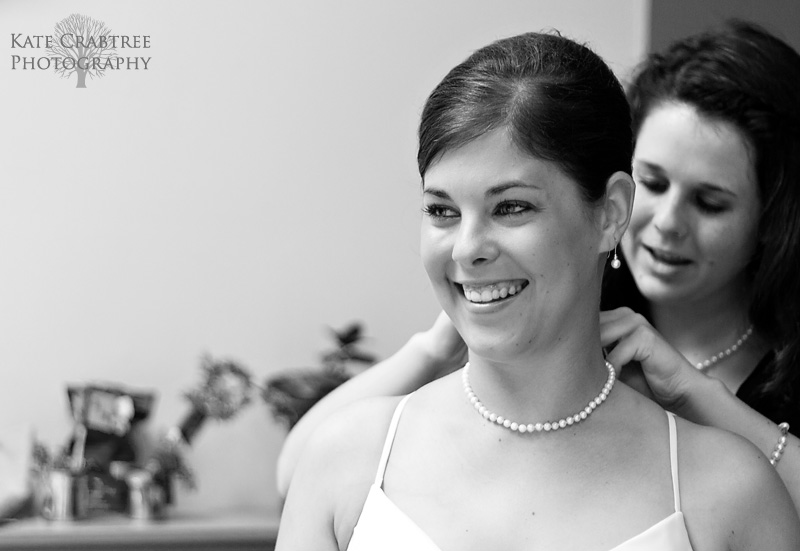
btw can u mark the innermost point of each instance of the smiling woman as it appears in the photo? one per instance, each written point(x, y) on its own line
point(500, 220)
point(525, 154)
point(712, 256)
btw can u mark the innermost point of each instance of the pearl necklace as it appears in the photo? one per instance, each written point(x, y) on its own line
point(727, 352)
point(539, 427)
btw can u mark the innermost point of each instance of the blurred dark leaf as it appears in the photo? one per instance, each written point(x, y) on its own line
point(290, 394)
point(349, 335)
point(169, 460)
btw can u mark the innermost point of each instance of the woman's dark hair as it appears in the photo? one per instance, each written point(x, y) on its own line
point(743, 75)
point(557, 99)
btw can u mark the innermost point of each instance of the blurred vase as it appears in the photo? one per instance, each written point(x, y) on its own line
point(66, 496)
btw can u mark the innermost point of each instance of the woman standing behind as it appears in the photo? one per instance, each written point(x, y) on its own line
point(713, 248)
point(524, 155)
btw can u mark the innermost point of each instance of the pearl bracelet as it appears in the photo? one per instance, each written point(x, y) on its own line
point(781, 445)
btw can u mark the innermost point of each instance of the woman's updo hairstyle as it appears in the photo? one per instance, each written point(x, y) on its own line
point(557, 100)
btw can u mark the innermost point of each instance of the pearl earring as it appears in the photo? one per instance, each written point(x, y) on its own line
point(615, 262)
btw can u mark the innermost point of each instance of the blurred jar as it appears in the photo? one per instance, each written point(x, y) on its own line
point(66, 495)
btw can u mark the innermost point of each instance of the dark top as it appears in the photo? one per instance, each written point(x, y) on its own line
point(779, 405)
point(769, 405)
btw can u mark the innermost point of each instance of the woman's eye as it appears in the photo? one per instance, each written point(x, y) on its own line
point(439, 212)
point(653, 186)
point(710, 205)
point(510, 208)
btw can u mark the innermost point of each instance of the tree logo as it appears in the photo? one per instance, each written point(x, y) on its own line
point(82, 46)
point(84, 41)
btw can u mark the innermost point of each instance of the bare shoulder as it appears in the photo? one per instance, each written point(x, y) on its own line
point(729, 488)
point(349, 442)
point(334, 474)
point(354, 430)
point(722, 459)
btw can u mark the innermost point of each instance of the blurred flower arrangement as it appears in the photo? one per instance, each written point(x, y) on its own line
point(224, 390)
point(291, 393)
point(103, 467)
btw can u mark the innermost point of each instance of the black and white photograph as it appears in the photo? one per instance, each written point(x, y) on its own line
point(427, 275)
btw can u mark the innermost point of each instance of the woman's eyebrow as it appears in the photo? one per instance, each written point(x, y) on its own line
point(491, 192)
point(500, 188)
point(649, 166)
point(441, 194)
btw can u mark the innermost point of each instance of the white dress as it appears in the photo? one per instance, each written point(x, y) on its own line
point(382, 525)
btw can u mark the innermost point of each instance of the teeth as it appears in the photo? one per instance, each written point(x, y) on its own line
point(491, 292)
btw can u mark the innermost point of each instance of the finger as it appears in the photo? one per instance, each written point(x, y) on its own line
point(620, 325)
point(617, 329)
point(637, 346)
point(615, 314)
point(622, 315)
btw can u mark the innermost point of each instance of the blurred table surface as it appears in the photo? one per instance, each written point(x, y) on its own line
point(228, 531)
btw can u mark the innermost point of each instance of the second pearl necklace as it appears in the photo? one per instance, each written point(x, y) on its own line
point(539, 427)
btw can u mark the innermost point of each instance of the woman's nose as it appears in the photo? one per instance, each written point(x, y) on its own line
point(670, 217)
point(474, 243)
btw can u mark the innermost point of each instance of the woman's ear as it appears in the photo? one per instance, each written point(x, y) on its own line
point(616, 210)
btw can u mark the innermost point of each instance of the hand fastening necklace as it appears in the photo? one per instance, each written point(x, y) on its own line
point(539, 427)
point(727, 352)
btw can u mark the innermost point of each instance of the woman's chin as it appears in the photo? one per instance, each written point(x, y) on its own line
point(496, 347)
point(661, 292)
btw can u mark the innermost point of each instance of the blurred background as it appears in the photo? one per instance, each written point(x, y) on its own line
point(254, 187)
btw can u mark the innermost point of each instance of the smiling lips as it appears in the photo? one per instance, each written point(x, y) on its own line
point(481, 294)
point(666, 257)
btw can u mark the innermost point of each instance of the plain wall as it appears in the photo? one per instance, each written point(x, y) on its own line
point(256, 185)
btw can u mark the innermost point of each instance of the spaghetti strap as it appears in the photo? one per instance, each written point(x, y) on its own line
point(673, 460)
point(387, 445)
